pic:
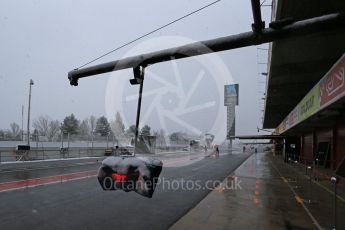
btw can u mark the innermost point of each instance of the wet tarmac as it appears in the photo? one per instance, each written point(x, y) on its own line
point(262, 200)
point(82, 204)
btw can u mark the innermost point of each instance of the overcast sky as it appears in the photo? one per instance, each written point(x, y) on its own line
point(43, 40)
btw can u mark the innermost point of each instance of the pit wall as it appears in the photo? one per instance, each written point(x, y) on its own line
point(10, 155)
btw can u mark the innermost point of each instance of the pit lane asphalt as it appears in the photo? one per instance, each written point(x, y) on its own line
point(82, 204)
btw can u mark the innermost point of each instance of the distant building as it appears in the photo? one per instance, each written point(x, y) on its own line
point(231, 93)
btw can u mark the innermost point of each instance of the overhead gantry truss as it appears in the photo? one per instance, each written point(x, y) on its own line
point(284, 29)
point(277, 30)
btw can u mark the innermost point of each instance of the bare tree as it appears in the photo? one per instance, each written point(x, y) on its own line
point(92, 123)
point(84, 128)
point(47, 127)
point(162, 138)
point(117, 126)
point(41, 124)
point(53, 129)
point(15, 130)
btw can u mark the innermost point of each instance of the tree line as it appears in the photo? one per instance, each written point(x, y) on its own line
point(45, 128)
point(49, 129)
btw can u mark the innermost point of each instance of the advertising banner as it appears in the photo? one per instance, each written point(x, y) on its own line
point(328, 90)
point(230, 101)
point(310, 103)
point(231, 93)
point(333, 84)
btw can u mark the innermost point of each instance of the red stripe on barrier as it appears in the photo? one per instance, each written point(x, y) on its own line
point(6, 186)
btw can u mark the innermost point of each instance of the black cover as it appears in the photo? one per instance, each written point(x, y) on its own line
point(23, 147)
point(141, 174)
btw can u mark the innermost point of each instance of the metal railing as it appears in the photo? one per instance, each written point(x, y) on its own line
point(11, 154)
point(47, 154)
point(309, 165)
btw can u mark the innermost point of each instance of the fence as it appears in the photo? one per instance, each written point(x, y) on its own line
point(8, 155)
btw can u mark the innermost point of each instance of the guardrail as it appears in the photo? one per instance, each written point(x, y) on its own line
point(34, 154)
point(46, 154)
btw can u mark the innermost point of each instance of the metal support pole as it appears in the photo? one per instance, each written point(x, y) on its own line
point(29, 107)
point(88, 143)
point(321, 24)
point(107, 141)
point(310, 184)
point(334, 180)
point(316, 169)
point(68, 145)
point(23, 123)
point(296, 178)
point(37, 136)
point(91, 141)
point(258, 24)
point(68, 140)
point(139, 109)
point(61, 138)
point(311, 196)
point(230, 146)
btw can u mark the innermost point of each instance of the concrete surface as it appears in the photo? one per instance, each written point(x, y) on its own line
point(82, 204)
point(264, 200)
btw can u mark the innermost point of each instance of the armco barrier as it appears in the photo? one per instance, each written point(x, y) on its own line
point(10, 155)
